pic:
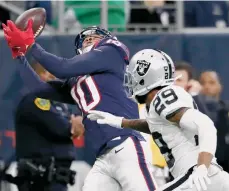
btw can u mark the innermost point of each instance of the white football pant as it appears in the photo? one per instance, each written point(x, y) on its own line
point(126, 167)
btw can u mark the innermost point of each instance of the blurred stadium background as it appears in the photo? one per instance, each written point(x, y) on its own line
point(193, 32)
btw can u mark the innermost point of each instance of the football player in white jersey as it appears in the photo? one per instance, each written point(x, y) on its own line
point(185, 136)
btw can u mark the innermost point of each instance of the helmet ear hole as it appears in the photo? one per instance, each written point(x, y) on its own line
point(142, 82)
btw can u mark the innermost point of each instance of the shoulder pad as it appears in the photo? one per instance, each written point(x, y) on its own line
point(170, 99)
point(42, 104)
point(123, 50)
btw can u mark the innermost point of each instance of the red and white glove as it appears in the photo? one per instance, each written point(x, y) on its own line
point(18, 40)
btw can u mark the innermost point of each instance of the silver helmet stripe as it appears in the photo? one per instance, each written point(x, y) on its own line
point(169, 63)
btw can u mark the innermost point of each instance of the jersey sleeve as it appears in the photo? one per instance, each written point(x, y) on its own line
point(100, 59)
point(170, 99)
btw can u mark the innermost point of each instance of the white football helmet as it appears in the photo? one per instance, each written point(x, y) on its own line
point(148, 69)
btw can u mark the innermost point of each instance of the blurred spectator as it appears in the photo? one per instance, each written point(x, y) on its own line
point(4, 15)
point(211, 85)
point(185, 71)
point(44, 4)
point(206, 14)
point(154, 13)
point(211, 88)
point(118, 12)
point(192, 86)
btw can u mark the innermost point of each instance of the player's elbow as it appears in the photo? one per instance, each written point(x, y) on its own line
point(60, 75)
point(207, 134)
point(62, 70)
point(68, 68)
point(201, 124)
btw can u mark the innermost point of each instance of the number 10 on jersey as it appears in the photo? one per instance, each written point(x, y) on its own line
point(86, 93)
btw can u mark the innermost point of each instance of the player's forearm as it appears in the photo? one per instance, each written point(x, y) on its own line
point(29, 76)
point(65, 68)
point(136, 124)
point(49, 61)
point(205, 158)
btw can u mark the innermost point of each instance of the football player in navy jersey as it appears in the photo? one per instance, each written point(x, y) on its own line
point(94, 80)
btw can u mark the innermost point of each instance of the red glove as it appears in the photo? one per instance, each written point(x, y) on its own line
point(16, 51)
point(18, 40)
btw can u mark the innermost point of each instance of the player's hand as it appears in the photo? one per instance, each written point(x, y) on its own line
point(77, 129)
point(105, 118)
point(199, 178)
point(15, 51)
point(18, 39)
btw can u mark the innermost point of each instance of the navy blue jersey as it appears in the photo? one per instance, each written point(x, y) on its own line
point(95, 81)
point(104, 92)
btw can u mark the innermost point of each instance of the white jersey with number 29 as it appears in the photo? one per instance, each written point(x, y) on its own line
point(179, 146)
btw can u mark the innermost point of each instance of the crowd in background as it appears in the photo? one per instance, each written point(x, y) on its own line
point(121, 13)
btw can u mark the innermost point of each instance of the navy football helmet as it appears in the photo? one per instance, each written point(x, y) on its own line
point(86, 32)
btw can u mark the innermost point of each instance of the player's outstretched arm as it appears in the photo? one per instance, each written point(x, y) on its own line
point(136, 124)
point(118, 122)
point(97, 60)
point(53, 90)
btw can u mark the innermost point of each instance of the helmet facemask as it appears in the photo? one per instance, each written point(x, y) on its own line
point(129, 83)
point(90, 31)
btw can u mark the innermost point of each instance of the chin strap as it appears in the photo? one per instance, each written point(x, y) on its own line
point(87, 49)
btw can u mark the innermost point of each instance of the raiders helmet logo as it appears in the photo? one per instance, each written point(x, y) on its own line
point(142, 67)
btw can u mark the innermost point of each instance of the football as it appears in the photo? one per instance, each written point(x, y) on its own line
point(39, 19)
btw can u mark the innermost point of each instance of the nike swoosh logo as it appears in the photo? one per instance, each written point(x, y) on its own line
point(98, 50)
point(116, 151)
